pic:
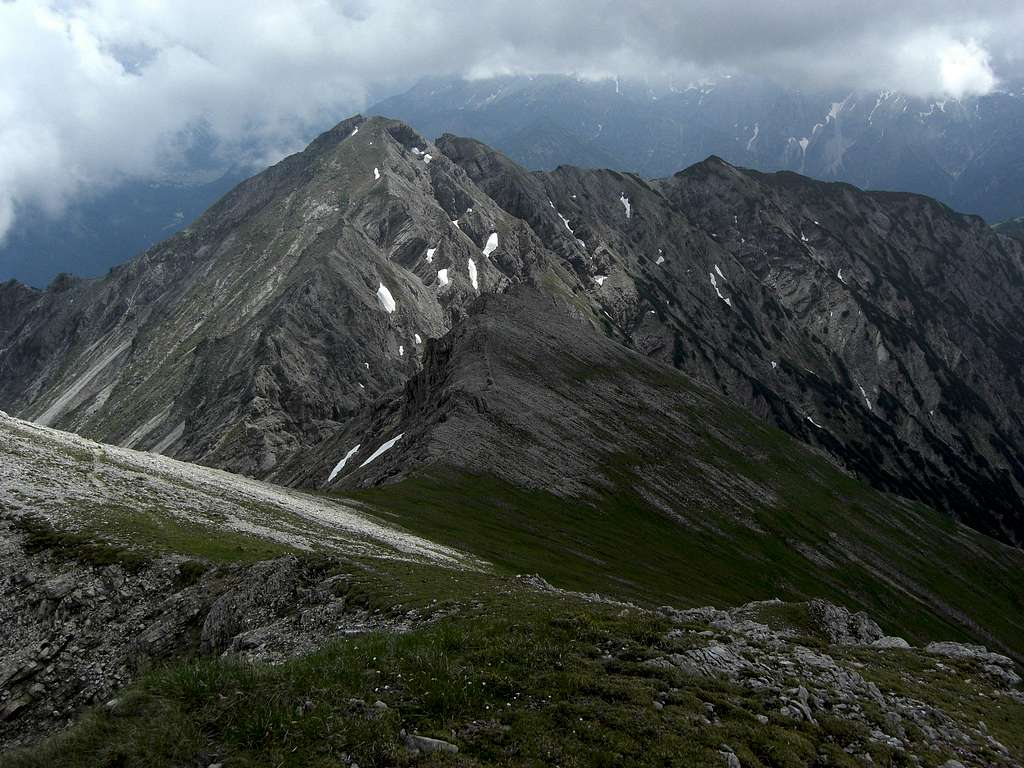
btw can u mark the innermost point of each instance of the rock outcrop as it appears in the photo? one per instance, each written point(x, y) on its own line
point(749, 646)
point(73, 634)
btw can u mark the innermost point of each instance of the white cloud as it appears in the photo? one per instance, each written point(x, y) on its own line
point(964, 68)
point(96, 91)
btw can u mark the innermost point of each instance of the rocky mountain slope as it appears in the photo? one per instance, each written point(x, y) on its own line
point(300, 296)
point(112, 560)
point(881, 328)
point(533, 440)
point(131, 498)
point(960, 151)
point(166, 639)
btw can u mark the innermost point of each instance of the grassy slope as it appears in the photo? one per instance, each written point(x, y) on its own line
point(917, 572)
point(515, 677)
point(520, 677)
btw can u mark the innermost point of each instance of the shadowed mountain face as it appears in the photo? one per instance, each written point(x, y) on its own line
point(883, 329)
point(965, 152)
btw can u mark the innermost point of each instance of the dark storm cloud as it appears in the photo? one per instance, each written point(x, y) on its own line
point(93, 92)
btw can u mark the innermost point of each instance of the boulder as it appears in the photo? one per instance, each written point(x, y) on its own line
point(967, 651)
point(842, 627)
point(426, 745)
point(267, 592)
point(890, 641)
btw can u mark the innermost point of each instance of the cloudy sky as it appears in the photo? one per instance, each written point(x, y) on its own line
point(95, 92)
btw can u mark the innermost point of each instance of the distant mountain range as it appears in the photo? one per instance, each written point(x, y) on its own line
point(1012, 228)
point(963, 152)
point(99, 232)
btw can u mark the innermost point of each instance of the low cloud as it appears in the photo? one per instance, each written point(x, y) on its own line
point(94, 92)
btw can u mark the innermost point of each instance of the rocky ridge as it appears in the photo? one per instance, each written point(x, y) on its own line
point(805, 683)
point(75, 634)
point(298, 298)
point(881, 328)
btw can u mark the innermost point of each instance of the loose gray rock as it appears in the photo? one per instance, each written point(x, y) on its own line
point(968, 651)
point(427, 745)
point(890, 642)
point(842, 627)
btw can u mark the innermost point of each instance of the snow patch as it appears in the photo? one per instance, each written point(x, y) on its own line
point(417, 339)
point(376, 174)
point(837, 107)
point(492, 244)
point(341, 464)
point(430, 254)
point(442, 276)
point(660, 260)
point(866, 398)
point(774, 365)
point(757, 130)
point(427, 158)
point(627, 205)
point(839, 275)
point(814, 423)
point(599, 279)
point(566, 222)
point(386, 300)
point(385, 447)
point(472, 275)
point(719, 272)
point(354, 131)
point(714, 284)
point(401, 351)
